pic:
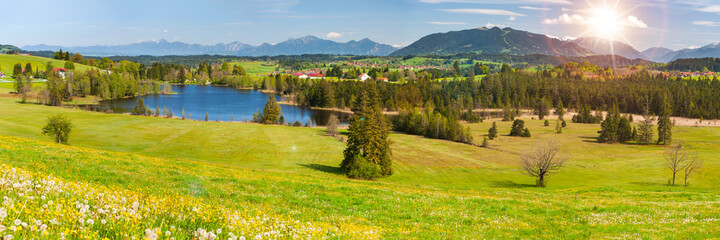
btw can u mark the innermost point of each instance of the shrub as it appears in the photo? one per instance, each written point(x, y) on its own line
point(363, 169)
point(547, 123)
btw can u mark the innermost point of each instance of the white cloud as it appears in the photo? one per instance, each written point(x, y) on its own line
point(165, 30)
point(565, 9)
point(511, 18)
point(633, 21)
point(490, 25)
point(710, 9)
point(566, 19)
point(448, 23)
point(333, 35)
point(498, 12)
point(535, 8)
point(707, 23)
point(630, 21)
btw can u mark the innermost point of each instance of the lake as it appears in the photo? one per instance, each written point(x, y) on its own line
point(221, 103)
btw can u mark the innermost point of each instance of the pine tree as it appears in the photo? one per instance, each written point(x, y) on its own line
point(665, 125)
point(271, 111)
point(645, 129)
point(492, 133)
point(560, 110)
point(368, 137)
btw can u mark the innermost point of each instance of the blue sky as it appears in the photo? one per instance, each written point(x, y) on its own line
point(674, 24)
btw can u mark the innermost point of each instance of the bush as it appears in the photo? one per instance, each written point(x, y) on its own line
point(492, 133)
point(547, 123)
point(363, 169)
point(485, 142)
point(297, 124)
point(517, 128)
point(58, 127)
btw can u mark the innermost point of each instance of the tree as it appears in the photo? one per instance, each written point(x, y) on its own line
point(645, 129)
point(368, 137)
point(17, 70)
point(77, 58)
point(69, 65)
point(206, 116)
point(560, 110)
point(542, 108)
point(542, 161)
point(625, 131)
point(140, 108)
point(492, 133)
point(665, 126)
point(692, 167)
point(332, 125)
point(19, 85)
point(546, 123)
point(157, 112)
point(271, 111)
point(28, 70)
point(182, 111)
point(675, 159)
point(558, 127)
point(518, 129)
point(58, 127)
point(58, 91)
point(238, 70)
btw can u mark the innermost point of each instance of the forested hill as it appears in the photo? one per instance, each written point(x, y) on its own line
point(494, 40)
point(694, 65)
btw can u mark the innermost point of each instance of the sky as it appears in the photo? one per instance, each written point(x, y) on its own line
point(674, 24)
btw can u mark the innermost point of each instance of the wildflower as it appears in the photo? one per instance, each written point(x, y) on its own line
point(8, 237)
point(90, 222)
point(17, 222)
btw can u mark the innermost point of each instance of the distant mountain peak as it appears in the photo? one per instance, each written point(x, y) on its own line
point(493, 40)
point(294, 46)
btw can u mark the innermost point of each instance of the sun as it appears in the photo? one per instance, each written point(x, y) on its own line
point(605, 23)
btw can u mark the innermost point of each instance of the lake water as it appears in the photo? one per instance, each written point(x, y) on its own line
point(221, 103)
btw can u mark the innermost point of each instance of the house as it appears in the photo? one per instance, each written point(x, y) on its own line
point(2, 75)
point(61, 71)
point(316, 75)
point(384, 79)
point(363, 77)
point(303, 76)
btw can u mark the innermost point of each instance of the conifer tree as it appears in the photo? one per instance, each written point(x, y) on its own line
point(271, 111)
point(665, 125)
point(367, 155)
point(492, 133)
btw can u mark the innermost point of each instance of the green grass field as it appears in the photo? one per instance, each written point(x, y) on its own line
point(255, 67)
point(440, 189)
point(7, 62)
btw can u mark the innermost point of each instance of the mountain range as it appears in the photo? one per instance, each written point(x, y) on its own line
point(477, 40)
point(293, 46)
point(493, 40)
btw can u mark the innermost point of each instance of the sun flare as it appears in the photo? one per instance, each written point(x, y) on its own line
point(606, 23)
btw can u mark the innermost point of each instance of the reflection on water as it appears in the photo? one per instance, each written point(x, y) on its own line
point(221, 103)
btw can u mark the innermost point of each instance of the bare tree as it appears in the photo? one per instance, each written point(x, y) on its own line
point(693, 166)
point(543, 161)
point(675, 159)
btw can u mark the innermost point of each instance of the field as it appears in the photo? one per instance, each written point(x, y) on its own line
point(280, 182)
point(7, 62)
point(255, 67)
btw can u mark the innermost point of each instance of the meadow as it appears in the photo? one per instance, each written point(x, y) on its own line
point(7, 62)
point(181, 178)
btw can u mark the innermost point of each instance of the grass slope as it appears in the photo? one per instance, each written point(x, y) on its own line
point(417, 160)
point(7, 62)
point(138, 196)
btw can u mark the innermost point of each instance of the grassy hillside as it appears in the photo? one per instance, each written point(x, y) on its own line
point(7, 62)
point(53, 188)
point(417, 160)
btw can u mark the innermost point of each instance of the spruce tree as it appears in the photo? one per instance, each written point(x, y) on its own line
point(560, 110)
point(645, 128)
point(492, 133)
point(271, 111)
point(368, 146)
point(665, 125)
